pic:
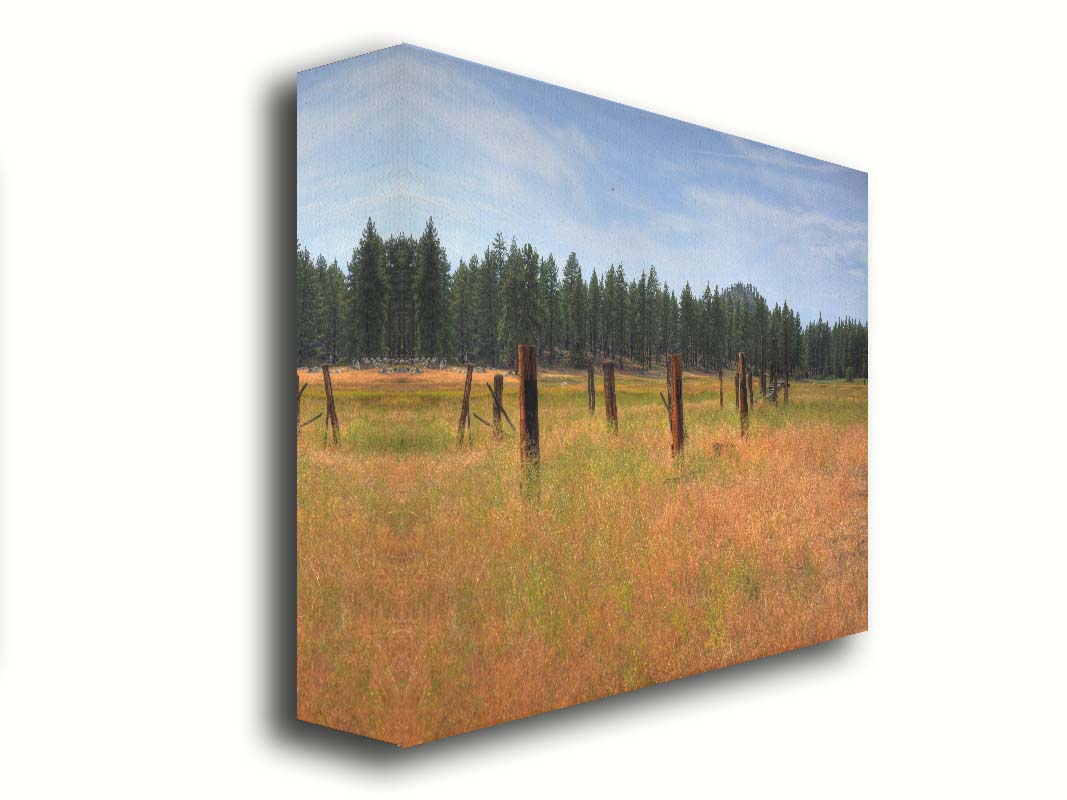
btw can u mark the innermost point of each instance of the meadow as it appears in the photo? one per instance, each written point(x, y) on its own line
point(434, 597)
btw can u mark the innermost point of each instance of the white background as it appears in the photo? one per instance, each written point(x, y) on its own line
point(145, 196)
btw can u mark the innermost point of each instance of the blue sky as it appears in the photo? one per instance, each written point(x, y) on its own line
point(403, 134)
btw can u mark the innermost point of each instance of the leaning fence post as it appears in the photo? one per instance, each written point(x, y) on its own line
point(498, 395)
point(331, 412)
point(720, 389)
point(299, 393)
point(667, 400)
point(592, 390)
point(743, 395)
point(529, 433)
point(498, 399)
point(677, 420)
point(610, 411)
point(464, 410)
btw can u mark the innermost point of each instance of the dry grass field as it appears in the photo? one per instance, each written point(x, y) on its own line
point(434, 599)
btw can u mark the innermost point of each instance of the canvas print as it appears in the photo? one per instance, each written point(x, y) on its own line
point(581, 397)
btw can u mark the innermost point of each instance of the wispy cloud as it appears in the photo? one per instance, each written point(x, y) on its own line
point(409, 134)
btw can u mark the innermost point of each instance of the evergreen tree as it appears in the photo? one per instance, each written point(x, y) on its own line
point(762, 321)
point(520, 308)
point(718, 330)
point(549, 287)
point(308, 308)
point(687, 325)
point(332, 283)
point(609, 304)
point(431, 290)
point(532, 321)
point(511, 279)
point(652, 317)
point(463, 310)
point(704, 336)
point(621, 314)
point(666, 322)
point(487, 301)
point(572, 302)
point(593, 306)
point(641, 315)
point(399, 296)
point(366, 291)
point(675, 334)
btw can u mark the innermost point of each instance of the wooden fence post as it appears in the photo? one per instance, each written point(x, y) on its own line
point(498, 400)
point(299, 394)
point(677, 419)
point(464, 411)
point(529, 433)
point(720, 389)
point(667, 400)
point(331, 412)
point(610, 410)
point(498, 394)
point(743, 396)
point(592, 389)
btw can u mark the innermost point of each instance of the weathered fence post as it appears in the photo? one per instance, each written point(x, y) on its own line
point(667, 400)
point(498, 395)
point(529, 433)
point(677, 419)
point(299, 394)
point(720, 389)
point(498, 401)
point(464, 410)
point(611, 412)
point(592, 389)
point(331, 412)
point(743, 396)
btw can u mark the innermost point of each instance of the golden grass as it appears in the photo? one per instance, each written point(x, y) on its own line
point(433, 599)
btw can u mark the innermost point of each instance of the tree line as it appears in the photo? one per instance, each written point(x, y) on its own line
point(400, 298)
